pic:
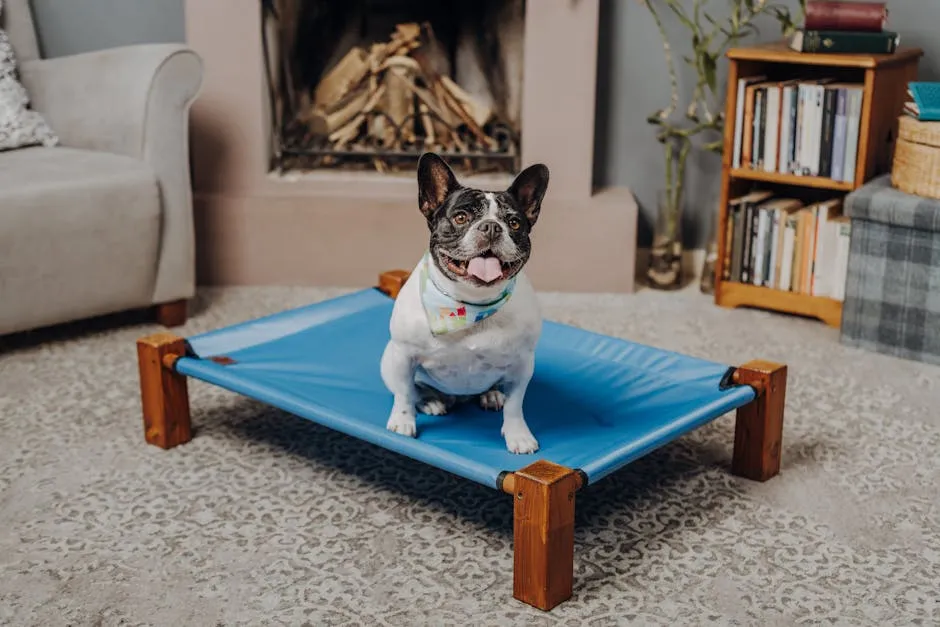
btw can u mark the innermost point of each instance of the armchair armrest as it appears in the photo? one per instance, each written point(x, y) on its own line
point(134, 101)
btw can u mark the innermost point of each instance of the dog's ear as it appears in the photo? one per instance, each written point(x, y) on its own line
point(528, 189)
point(436, 181)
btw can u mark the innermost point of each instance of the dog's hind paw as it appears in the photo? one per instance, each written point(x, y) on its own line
point(492, 400)
point(403, 423)
point(433, 407)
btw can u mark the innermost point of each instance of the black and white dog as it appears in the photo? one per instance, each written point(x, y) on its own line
point(466, 322)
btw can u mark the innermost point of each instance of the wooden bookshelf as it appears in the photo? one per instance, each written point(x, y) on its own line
point(884, 79)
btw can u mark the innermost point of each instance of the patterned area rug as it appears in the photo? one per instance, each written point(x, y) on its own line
point(265, 518)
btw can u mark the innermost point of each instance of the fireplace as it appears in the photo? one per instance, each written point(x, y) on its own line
point(371, 84)
point(264, 219)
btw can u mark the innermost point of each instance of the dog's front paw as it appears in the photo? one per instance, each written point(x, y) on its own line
point(519, 439)
point(492, 400)
point(402, 422)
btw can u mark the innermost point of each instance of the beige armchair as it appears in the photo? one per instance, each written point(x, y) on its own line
point(103, 222)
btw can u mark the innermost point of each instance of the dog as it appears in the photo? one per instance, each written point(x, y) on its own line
point(465, 324)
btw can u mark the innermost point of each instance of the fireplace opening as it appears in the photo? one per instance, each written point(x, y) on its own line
point(372, 84)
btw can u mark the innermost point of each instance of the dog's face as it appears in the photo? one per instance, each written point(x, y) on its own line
point(479, 238)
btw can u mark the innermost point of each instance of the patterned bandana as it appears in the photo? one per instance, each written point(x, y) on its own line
point(447, 314)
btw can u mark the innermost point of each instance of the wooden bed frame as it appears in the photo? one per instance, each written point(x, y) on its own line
point(544, 492)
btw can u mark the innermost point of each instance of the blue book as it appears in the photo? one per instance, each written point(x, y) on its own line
point(838, 136)
point(926, 100)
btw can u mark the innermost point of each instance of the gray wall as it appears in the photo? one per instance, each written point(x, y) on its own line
point(632, 81)
point(71, 26)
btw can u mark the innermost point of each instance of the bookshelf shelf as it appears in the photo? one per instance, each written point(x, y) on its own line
point(883, 83)
point(743, 295)
point(818, 182)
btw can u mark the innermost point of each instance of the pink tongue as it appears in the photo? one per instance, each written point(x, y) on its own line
point(485, 268)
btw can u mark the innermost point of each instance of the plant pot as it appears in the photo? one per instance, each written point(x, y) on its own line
point(665, 261)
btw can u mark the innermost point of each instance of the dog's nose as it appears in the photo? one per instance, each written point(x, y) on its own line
point(490, 228)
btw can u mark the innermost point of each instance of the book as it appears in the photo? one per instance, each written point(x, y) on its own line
point(853, 108)
point(747, 139)
point(786, 123)
point(796, 277)
point(772, 128)
point(812, 128)
point(839, 42)
point(827, 129)
point(737, 243)
point(823, 247)
point(852, 16)
point(924, 100)
point(739, 116)
point(788, 253)
point(809, 250)
point(838, 136)
point(843, 229)
point(760, 242)
point(757, 150)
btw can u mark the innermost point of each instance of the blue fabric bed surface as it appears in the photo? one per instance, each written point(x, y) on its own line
point(595, 403)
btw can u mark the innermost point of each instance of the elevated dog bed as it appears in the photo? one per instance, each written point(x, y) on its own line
point(595, 404)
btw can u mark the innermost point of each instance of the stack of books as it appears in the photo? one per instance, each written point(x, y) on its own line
point(845, 27)
point(781, 243)
point(800, 127)
point(923, 101)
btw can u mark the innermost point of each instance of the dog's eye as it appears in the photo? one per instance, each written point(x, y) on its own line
point(460, 218)
point(514, 224)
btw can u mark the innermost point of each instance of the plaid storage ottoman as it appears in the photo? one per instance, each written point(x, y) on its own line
point(892, 291)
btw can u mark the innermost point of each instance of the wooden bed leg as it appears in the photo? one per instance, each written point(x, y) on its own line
point(543, 533)
point(172, 314)
point(163, 392)
point(392, 281)
point(758, 431)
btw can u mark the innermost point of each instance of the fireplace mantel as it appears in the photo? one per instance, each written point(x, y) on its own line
point(340, 228)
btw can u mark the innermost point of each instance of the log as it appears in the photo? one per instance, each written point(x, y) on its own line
point(398, 103)
point(479, 111)
point(324, 122)
point(342, 78)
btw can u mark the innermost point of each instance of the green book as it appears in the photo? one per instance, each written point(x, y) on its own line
point(834, 41)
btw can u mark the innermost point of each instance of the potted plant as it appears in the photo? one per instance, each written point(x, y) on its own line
point(703, 118)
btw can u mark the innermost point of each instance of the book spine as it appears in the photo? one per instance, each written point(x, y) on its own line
point(738, 245)
point(760, 113)
point(836, 42)
point(783, 157)
point(854, 16)
point(821, 267)
point(802, 136)
point(748, 243)
point(828, 127)
point(772, 134)
point(729, 235)
point(772, 257)
point(757, 262)
point(853, 123)
point(838, 137)
point(810, 252)
point(786, 263)
point(842, 261)
point(738, 122)
point(796, 279)
point(812, 130)
point(794, 129)
point(748, 133)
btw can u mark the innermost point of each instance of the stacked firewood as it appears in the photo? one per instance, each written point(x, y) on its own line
point(396, 95)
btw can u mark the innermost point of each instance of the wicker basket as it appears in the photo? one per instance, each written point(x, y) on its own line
point(916, 168)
